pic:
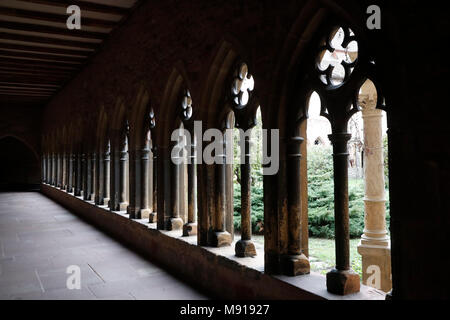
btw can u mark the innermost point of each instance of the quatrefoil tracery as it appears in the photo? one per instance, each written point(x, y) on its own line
point(152, 120)
point(186, 106)
point(337, 57)
point(242, 86)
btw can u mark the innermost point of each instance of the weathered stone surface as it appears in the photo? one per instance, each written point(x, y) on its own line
point(343, 282)
point(189, 229)
point(295, 265)
point(245, 248)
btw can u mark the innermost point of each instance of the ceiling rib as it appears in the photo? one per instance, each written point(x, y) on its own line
point(39, 54)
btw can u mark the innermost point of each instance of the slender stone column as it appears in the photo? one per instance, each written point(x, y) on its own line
point(44, 169)
point(71, 158)
point(295, 262)
point(106, 175)
point(341, 280)
point(153, 215)
point(220, 237)
point(145, 181)
point(174, 222)
point(245, 247)
point(123, 204)
point(88, 177)
point(78, 174)
point(58, 170)
point(64, 171)
point(93, 180)
point(84, 184)
point(53, 169)
point(375, 243)
point(99, 180)
point(133, 201)
point(190, 228)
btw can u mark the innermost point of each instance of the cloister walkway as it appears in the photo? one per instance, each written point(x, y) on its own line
point(39, 240)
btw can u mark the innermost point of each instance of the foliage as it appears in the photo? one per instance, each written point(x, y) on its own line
point(321, 196)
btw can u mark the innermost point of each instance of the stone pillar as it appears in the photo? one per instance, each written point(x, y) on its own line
point(63, 170)
point(93, 176)
point(174, 222)
point(123, 157)
point(87, 191)
point(84, 185)
point(153, 215)
point(98, 200)
point(106, 175)
point(44, 169)
point(53, 169)
point(342, 279)
point(245, 247)
point(134, 159)
point(145, 182)
point(294, 262)
point(375, 243)
point(78, 174)
point(58, 170)
point(71, 159)
point(190, 228)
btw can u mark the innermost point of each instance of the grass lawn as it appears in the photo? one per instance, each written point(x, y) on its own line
point(322, 255)
point(321, 252)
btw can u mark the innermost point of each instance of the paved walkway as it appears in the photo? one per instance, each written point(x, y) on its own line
point(39, 240)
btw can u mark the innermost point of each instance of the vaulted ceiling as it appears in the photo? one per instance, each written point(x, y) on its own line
point(39, 54)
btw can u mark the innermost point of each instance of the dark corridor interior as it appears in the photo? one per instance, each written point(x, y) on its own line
point(19, 166)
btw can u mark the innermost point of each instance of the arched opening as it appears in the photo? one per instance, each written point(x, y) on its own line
point(19, 166)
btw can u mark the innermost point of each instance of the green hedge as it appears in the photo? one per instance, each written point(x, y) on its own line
point(320, 199)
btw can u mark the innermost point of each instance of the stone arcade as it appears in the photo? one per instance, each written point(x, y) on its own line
point(87, 115)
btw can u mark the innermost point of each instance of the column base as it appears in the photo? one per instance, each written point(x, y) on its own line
point(190, 229)
point(220, 239)
point(153, 217)
point(376, 266)
point(295, 265)
point(245, 248)
point(122, 206)
point(343, 282)
point(145, 213)
point(174, 224)
point(133, 212)
point(98, 201)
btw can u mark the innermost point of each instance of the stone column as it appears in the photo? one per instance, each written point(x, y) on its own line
point(342, 280)
point(88, 177)
point(153, 215)
point(53, 169)
point(63, 170)
point(123, 157)
point(134, 159)
point(294, 262)
point(99, 180)
point(84, 185)
point(44, 169)
point(78, 173)
point(145, 181)
point(245, 247)
point(220, 237)
point(93, 176)
point(106, 175)
point(58, 170)
point(174, 222)
point(375, 243)
point(71, 159)
point(190, 228)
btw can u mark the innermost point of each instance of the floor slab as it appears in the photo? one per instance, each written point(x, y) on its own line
point(39, 240)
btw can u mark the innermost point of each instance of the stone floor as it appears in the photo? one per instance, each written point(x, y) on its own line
point(39, 240)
